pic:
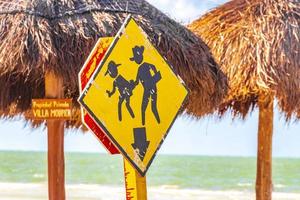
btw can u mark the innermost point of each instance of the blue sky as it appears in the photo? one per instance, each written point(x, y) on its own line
point(208, 136)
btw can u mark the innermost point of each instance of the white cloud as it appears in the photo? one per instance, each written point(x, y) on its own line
point(185, 11)
point(180, 10)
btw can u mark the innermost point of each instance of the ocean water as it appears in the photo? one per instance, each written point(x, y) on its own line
point(207, 173)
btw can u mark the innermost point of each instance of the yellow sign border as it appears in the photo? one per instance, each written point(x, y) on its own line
point(89, 84)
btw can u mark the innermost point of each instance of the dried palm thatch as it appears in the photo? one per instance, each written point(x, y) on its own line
point(256, 43)
point(41, 35)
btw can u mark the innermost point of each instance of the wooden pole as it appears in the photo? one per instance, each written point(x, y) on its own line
point(136, 185)
point(56, 160)
point(264, 152)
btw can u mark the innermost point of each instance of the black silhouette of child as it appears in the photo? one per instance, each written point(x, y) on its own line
point(148, 81)
point(125, 88)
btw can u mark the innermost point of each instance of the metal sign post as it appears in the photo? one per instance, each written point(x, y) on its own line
point(135, 184)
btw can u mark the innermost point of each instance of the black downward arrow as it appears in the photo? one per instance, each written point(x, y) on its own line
point(140, 142)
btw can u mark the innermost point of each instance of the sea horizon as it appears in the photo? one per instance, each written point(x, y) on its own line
point(159, 154)
point(213, 173)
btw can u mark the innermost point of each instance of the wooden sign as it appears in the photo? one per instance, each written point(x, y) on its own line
point(129, 96)
point(43, 109)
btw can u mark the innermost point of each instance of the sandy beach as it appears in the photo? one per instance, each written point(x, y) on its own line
point(19, 191)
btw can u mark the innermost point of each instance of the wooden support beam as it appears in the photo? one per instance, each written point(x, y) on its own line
point(264, 152)
point(56, 161)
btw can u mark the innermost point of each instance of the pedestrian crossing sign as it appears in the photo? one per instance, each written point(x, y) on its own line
point(134, 96)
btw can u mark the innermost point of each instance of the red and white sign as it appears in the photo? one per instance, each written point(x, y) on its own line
point(85, 74)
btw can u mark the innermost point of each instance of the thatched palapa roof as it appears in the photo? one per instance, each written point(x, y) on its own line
point(256, 43)
point(41, 35)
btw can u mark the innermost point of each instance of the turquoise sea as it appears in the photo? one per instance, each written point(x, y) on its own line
point(208, 173)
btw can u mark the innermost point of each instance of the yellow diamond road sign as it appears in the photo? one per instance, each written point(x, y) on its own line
point(134, 96)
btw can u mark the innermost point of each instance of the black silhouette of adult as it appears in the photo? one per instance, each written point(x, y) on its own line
point(148, 81)
point(125, 88)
